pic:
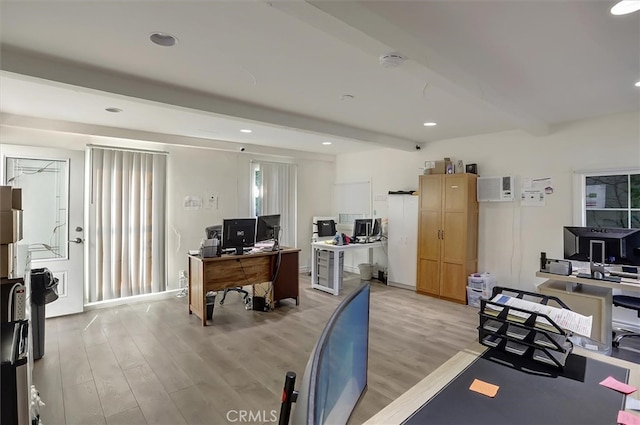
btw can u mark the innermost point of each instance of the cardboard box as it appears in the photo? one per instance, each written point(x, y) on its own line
point(6, 260)
point(6, 198)
point(10, 226)
point(439, 167)
point(16, 198)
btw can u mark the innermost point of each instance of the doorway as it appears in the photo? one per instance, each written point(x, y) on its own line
point(52, 183)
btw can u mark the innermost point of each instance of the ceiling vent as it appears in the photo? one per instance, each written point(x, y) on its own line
point(391, 60)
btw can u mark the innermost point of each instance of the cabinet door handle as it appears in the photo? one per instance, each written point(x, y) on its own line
point(442, 234)
point(439, 234)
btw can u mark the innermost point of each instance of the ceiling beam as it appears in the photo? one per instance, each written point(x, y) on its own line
point(356, 24)
point(58, 126)
point(79, 75)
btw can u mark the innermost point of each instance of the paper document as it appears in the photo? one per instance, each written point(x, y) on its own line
point(632, 404)
point(626, 418)
point(614, 384)
point(485, 388)
point(566, 319)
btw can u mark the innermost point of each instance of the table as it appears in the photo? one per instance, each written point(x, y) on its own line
point(337, 271)
point(412, 400)
point(590, 297)
point(230, 271)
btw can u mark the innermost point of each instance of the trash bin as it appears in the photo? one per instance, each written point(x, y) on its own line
point(366, 271)
point(44, 290)
point(211, 301)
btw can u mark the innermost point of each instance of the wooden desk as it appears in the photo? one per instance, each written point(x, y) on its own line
point(405, 405)
point(229, 271)
point(625, 284)
point(589, 297)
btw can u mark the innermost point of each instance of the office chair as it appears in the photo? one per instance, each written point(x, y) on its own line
point(237, 289)
point(626, 301)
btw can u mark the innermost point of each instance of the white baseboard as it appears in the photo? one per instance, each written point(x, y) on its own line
point(132, 300)
point(401, 286)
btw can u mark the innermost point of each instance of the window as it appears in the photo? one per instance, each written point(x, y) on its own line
point(274, 192)
point(611, 199)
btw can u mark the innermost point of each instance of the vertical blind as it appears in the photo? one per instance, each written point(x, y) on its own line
point(126, 224)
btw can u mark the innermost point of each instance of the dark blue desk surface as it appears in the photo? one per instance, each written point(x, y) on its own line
point(548, 396)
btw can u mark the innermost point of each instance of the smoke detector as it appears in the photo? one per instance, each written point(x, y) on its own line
point(391, 60)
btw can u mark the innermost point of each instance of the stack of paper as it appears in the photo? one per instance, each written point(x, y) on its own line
point(564, 318)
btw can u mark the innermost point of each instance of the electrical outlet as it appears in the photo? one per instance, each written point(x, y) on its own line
point(212, 201)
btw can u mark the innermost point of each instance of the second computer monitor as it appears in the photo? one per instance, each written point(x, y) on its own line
point(268, 227)
point(326, 228)
point(377, 228)
point(362, 227)
point(238, 233)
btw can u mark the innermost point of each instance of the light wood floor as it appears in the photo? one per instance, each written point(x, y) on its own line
point(153, 363)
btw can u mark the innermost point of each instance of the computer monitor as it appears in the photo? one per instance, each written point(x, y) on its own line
point(336, 374)
point(238, 233)
point(326, 228)
point(268, 227)
point(362, 227)
point(377, 228)
point(602, 245)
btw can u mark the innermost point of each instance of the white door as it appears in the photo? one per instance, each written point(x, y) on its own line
point(52, 182)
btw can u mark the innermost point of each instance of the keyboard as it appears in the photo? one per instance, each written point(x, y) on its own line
point(625, 274)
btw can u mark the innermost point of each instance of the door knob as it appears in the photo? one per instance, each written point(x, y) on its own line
point(76, 240)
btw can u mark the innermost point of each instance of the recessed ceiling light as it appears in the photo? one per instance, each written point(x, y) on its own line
point(114, 110)
point(326, 143)
point(163, 39)
point(637, 84)
point(430, 124)
point(625, 6)
point(246, 130)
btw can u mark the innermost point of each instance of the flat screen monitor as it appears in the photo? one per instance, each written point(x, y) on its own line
point(326, 228)
point(377, 227)
point(268, 227)
point(213, 232)
point(336, 374)
point(238, 233)
point(621, 246)
point(362, 227)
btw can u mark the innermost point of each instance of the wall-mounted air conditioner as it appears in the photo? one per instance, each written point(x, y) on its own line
point(496, 189)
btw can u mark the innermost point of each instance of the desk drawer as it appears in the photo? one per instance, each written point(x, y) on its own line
point(329, 282)
point(244, 270)
point(322, 262)
point(329, 255)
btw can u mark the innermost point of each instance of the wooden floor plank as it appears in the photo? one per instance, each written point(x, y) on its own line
point(178, 371)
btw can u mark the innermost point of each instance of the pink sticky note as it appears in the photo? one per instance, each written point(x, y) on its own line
point(614, 384)
point(626, 418)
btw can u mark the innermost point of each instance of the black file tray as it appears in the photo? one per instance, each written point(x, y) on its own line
point(506, 330)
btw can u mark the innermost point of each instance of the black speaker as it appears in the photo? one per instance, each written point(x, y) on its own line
point(471, 168)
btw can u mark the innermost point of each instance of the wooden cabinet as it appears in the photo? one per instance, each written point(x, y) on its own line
point(447, 235)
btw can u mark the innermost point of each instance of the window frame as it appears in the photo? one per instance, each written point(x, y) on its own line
point(580, 192)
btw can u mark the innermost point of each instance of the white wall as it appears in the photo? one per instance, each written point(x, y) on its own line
point(201, 172)
point(511, 237)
